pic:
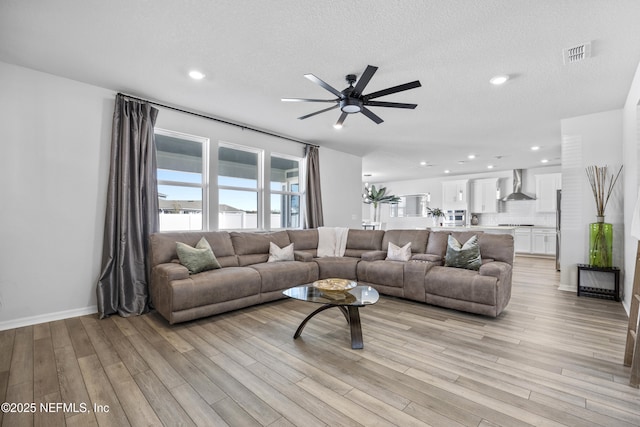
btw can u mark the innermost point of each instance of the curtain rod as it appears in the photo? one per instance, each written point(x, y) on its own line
point(216, 119)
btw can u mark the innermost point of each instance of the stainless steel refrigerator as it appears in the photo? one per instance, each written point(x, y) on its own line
point(558, 217)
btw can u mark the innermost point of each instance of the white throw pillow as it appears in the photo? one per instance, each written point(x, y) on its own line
point(276, 254)
point(397, 253)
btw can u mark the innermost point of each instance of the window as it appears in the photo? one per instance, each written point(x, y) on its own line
point(182, 180)
point(239, 187)
point(252, 193)
point(285, 192)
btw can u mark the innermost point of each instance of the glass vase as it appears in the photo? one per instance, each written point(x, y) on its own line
point(600, 243)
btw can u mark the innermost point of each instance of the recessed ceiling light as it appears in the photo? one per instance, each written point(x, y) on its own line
point(535, 148)
point(471, 156)
point(447, 171)
point(196, 75)
point(489, 166)
point(544, 161)
point(423, 163)
point(461, 162)
point(499, 79)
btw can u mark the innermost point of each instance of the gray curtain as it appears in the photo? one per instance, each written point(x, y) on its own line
point(132, 210)
point(313, 218)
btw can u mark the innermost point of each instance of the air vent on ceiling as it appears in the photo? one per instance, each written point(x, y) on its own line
point(576, 53)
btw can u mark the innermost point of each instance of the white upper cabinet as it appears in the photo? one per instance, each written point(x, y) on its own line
point(455, 194)
point(484, 197)
point(547, 186)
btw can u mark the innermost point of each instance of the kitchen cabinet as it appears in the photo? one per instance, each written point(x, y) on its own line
point(543, 241)
point(547, 186)
point(455, 194)
point(485, 195)
point(522, 240)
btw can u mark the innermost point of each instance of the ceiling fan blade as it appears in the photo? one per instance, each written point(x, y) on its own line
point(317, 112)
point(390, 104)
point(371, 115)
point(317, 81)
point(364, 80)
point(341, 120)
point(391, 90)
point(307, 100)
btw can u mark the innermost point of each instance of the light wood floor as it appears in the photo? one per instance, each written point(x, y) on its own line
point(550, 359)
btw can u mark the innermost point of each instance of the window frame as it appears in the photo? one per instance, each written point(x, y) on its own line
point(299, 193)
point(204, 186)
point(259, 190)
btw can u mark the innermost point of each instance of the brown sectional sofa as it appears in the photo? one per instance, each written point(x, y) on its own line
point(246, 278)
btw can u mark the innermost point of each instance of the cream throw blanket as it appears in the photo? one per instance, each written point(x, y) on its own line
point(332, 241)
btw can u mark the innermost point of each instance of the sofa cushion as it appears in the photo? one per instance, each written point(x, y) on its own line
point(497, 246)
point(417, 238)
point(200, 258)
point(162, 246)
point(437, 243)
point(277, 254)
point(463, 256)
point(342, 267)
point(305, 240)
point(276, 276)
point(214, 286)
point(397, 253)
point(461, 284)
point(253, 248)
point(361, 241)
point(387, 273)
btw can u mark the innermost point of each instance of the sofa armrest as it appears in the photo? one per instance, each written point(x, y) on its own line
point(495, 269)
point(171, 271)
point(427, 257)
point(503, 272)
point(302, 256)
point(374, 256)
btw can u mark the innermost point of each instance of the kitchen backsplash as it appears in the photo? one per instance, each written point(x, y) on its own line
point(518, 212)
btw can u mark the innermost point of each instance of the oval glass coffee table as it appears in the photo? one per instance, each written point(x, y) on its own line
point(347, 301)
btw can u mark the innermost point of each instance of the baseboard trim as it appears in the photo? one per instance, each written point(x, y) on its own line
point(49, 317)
point(568, 288)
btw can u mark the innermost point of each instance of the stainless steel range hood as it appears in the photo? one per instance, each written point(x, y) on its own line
point(517, 188)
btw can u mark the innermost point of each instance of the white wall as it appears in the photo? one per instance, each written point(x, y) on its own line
point(594, 139)
point(631, 144)
point(341, 182)
point(55, 136)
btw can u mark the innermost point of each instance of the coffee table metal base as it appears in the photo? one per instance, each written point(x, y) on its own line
point(350, 313)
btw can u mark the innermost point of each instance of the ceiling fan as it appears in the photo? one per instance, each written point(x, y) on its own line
point(351, 100)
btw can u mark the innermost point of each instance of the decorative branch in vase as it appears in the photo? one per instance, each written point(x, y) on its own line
point(375, 197)
point(600, 232)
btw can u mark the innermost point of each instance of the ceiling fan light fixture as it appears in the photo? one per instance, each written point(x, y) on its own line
point(337, 126)
point(350, 105)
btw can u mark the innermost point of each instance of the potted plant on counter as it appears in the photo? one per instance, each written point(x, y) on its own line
point(435, 214)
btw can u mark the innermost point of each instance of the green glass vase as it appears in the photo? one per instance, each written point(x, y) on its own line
point(601, 243)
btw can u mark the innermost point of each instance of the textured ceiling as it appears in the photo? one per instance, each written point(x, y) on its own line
point(254, 53)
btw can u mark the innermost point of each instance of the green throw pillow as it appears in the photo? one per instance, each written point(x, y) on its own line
point(200, 258)
point(463, 256)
